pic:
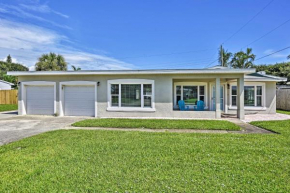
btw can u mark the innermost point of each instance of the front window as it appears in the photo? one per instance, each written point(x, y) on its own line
point(134, 95)
point(190, 94)
point(253, 96)
point(131, 95)
point(249, 96)
point(114, 95)
point(259, 96)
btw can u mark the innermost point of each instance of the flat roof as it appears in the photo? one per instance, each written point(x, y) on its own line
point(124, 72)
point(259, 76)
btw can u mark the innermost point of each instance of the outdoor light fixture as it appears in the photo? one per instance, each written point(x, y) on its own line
point(228, 86)
point(98, 83)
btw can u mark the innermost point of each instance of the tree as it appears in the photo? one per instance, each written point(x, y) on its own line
point(224, 57)
point(288, 57)
point(243, 59)
point(4, 67)
point(76, 68)
point(9, 59)
point(12, 79)
point(51, 62)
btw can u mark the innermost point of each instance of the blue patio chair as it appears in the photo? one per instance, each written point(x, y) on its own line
point(199, 106)
point(182, 106)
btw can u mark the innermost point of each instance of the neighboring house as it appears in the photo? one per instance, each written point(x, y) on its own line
point(147, 93)
point(5, 85)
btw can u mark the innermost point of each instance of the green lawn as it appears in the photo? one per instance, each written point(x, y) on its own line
point(158, 124)
point(116, 161)
point(283, 112)
point(8, 107)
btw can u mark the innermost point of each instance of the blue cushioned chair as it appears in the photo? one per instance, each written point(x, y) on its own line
point(182, 107)
point(199, 106)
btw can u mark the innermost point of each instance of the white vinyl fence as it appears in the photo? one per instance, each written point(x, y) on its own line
point(283, 99)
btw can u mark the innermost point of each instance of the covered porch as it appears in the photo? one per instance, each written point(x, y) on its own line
point(215, 101)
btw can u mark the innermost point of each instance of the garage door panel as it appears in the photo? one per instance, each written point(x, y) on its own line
point(40, 100)
point(79, 100)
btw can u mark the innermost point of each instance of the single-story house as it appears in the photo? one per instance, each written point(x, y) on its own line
point(146, 93)
point(5, 85)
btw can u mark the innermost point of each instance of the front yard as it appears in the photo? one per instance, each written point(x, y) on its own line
point(8, 107)
point(283, 112)
point(159, 124)
point(116, 161)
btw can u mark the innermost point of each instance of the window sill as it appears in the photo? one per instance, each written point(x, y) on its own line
point(130, 109)
point(249, 108)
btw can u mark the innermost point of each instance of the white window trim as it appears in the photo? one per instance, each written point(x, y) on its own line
point(191, 84)
point(74, 83)
point(34, 83)
point(260, 108)
point(131, 81)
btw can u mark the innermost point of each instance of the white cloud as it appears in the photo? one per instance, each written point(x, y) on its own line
point(43, 9)
point(28, 42)
point(31, 68)
point(14, 60)
point(19, 12)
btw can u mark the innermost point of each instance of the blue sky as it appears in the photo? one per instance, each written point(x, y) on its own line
point(145, 34)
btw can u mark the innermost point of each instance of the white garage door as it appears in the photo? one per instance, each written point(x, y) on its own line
point(79, 100)
point(40, 100)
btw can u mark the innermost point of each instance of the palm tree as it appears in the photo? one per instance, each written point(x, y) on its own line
point(243, 59)
point(288, 57)
point(224, 57)
point(76, 68)
point(51, 62)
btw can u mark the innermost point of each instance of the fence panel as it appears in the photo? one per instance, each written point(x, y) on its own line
point(8, 96)
point(283, 99)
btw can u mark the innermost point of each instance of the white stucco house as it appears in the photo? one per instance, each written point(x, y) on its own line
point(5, 85)
point(147, 93)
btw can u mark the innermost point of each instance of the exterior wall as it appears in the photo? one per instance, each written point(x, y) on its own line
point(163, 93)
point(270, 96)
point(4, 86)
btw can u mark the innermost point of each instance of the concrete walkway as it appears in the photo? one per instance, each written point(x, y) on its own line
point(266, 117)
point(247, 128)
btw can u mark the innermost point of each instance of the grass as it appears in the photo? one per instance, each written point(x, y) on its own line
point(283, 112)
point(116, 161)
point(158, 124)
point(8, 107)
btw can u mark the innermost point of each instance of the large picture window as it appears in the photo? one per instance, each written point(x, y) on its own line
point(253, 96)
point(190, 93)
point(131, 94)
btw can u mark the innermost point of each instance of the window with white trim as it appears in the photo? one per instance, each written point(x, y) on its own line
point(114, 95)
point(190, 93)
point(234, 95)
point(130, 94)
point(259, 95)
point(253, 95)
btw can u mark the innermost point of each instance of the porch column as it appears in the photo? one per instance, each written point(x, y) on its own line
point(217, 98)
point(240, 98)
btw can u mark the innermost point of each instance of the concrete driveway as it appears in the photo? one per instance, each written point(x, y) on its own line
point(14, 127)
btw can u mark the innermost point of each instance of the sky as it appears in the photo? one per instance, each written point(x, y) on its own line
point(143, 34)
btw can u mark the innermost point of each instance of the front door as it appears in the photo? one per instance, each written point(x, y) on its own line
point(214, 95)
